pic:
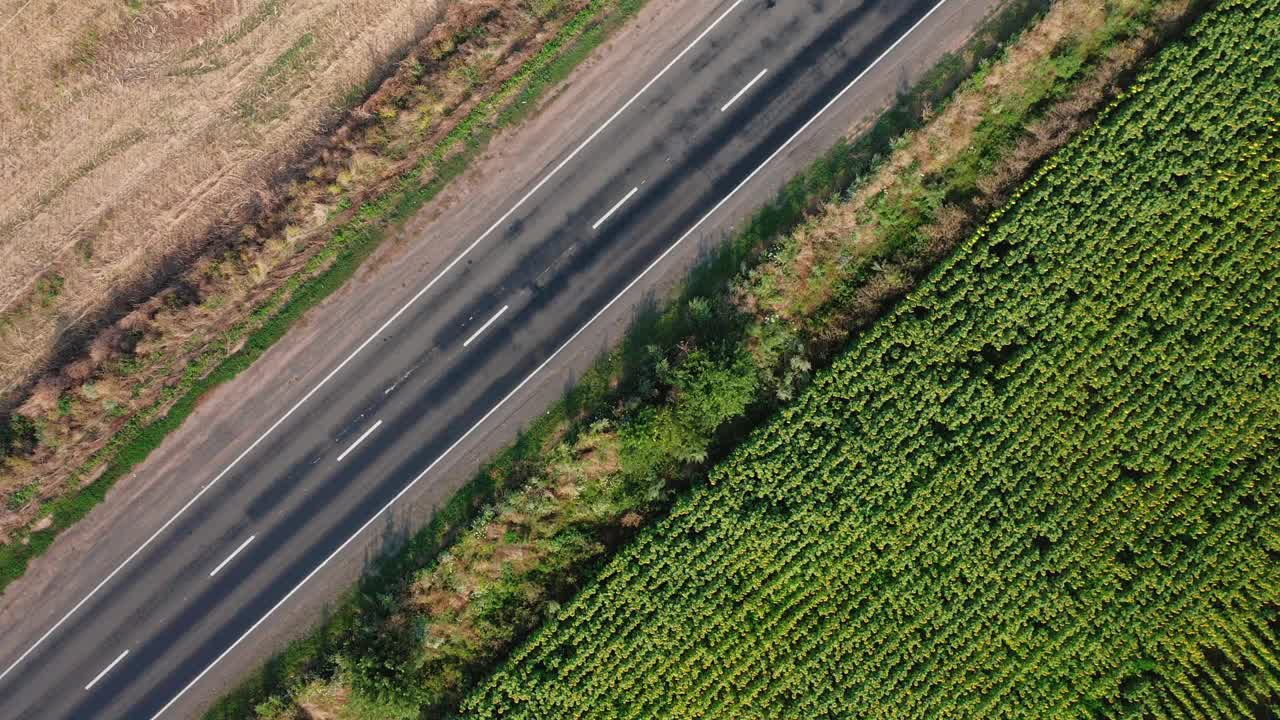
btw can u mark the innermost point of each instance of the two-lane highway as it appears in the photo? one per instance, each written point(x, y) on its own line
point(458, 350)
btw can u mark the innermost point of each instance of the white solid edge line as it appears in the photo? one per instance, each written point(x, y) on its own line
point(614, 209)
point(484, 327)
point(359, 440)
point(365, 344)
point(744, 90)
point(105, 670)
point(233, 555)
point(539, 369)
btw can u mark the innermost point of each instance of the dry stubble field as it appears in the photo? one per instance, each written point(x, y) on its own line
point(133, 131)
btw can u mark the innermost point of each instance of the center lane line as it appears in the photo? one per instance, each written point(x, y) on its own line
point(233, 555)
point(106, 670)
point(744, 89)
point(358, 441)
point(485, 326)
point(614, 209)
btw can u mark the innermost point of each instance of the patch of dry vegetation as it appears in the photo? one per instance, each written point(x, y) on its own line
point(135, 368)
point(526, 533)
point(134, 134)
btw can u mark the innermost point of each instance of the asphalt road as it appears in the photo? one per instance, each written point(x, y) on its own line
point(491, 319)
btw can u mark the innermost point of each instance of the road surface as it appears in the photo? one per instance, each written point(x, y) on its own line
point(316, 477)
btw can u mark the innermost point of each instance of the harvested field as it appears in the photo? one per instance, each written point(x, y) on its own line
point(132, 133)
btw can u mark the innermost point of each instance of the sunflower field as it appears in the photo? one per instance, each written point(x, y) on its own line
point(1046, 485)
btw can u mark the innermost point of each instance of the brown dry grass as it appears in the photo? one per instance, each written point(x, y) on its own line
point(937, 144)
point(131, 131)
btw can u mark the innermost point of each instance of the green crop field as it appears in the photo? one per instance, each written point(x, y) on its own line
point(1044, 486)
